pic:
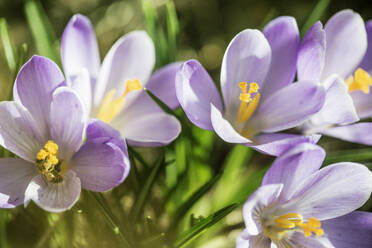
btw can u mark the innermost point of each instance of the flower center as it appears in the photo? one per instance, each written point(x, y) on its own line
point(361, 81)
point(111, 107)
point(291, 221)
point(48, 163)
point(248, 104)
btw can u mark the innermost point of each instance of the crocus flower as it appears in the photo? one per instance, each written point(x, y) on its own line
point(45, 126)
point(337, 57)
point(259, 98)
point(299, 205)
point(112, 92)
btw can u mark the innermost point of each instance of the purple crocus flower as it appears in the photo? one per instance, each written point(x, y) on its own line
point(334, 56)
point(45, 126)
point(112, 92)
point(259, 98)
point(299, 205)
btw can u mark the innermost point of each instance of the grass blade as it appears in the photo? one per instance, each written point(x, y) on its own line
point(9, 50)
point(315, 15)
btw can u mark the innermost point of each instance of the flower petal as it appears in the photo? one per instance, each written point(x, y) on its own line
point(261, 198)
point(293, 167)
point(247, 241)
point(247, 59)
point(67, 121)
point(162, 84)
point(19, 132)
point(224, 129)
point(366, 63)
point(81, 85)
point(351, 230)
point(34, 86)
point(289, 107)
point(362, 103)
point(79, 47)
point(346, 40)
point(195, 92)
point(298, 239)
point(311, 56)
point(132, 56)
point(100, 165)
point(357, 133)
point(284, 38)
point(54, 197)
point(275, 144)
point(333, 191)
point(15, 175)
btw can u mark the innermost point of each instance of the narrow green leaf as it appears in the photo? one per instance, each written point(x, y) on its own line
point(172, 30)
point(41, 29)
point(21, 61)
point(356, 155)
point(138, 156)
point(3, 228)
point(8, 45)
point(162, 105)
point(315, 15)
point(204, 225)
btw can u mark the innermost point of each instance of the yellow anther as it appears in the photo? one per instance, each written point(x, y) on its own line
point(361, 81)
point(312, 226)
point(42, 154)
point(48, 163)
point(51, 147)
point(111, 107)
point(293, 220)
point(253, 87)
point(289, 220)
point(248, 104)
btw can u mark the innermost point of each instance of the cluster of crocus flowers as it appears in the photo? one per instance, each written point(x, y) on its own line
point(259, 96)
point(300, 205)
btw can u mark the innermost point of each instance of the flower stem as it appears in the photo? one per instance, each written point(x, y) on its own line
point(110, 220)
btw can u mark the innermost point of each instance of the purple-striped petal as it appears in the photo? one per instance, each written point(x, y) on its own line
point(283, 37)
point(362, 103)
point(247, 59)
point(366, 63)
point(357, 133)
point(298, 239)
point(82, 86)
point(67, 121)
point(311, 56)
point(246, 241)
point(351, 230)
point(293, 167)
point(162, 84)
point(34, 86)
point(54, 197)
point(79, 47)
point(15, 175)
point(100, 165)
point(346, 40)
point(195, 92)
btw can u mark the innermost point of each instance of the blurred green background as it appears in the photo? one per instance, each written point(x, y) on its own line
point(205, 29)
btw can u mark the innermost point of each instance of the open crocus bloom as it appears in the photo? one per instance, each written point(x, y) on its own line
point(45, 127)
point(338, 58)
point(258, 94)
point(112, 92)
point(299, 205)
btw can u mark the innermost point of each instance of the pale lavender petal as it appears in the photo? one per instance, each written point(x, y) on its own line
point(346, 40)
point(252, 208)
point(289, 107)
point(100, 165)
point(195, 92)
point(247, 241)
point(19, 132)
point(247, 59)
point(162, 84)
point(297, 239)
point(338, 107)
point(131, 57)
point(54, 197)
point(284, 38)
point(67, 121)
point(351, 230)
point(294, 166)
point(34, 86)
point(366, 63)
point(333, 191)
point(362, 103)
point(79, 47)
point(357, 133)
point(311, 55)
point(82, 86)
point(275, 144)
point(15, 175)
point(224, 129)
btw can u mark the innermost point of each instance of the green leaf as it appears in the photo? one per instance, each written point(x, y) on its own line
point(315, 15)
point(204, 225)
point(356, 155)
point(8, 45)
point(172, 30)
point(160, 103)
point(4, 218)
point(41, 29)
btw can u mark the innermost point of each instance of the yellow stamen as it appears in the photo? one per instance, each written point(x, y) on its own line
point(248, 104)
point(47, 162)
point(361, 81)
point(293, 220)
point(110, 107)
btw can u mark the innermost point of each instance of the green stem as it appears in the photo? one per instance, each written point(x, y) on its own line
point(109, 219)
point(3, 228)
point(355, 155)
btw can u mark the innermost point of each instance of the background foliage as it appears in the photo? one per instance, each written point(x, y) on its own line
point(190, 192)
